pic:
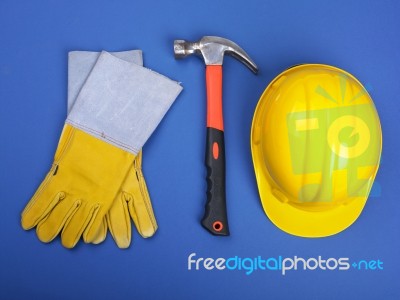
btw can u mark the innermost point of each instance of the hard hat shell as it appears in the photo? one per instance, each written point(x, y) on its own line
point(316, 144)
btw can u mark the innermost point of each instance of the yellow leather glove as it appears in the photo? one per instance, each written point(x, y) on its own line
point(78, 190)
point(118, 108)
point(132, 201)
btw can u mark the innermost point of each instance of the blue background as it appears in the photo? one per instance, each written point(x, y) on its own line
point(361, 37)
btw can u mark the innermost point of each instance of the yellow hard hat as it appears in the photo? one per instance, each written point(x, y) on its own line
point(316, 143)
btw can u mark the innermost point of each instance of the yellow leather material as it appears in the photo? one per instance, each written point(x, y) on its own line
point(101, 232)
point(132, 201)
point(79, 189)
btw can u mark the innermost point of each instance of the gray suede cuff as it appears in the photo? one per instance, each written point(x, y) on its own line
point(122, 103)
point(80, 63)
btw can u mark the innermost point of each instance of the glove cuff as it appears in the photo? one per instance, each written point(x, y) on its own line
point(122, 103)
point(80, 63)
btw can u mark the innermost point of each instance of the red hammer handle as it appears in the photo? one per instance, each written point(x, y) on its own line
point(215, 216)
point(214, 97)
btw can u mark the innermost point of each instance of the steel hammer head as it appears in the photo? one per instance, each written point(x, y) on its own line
point(213, 49)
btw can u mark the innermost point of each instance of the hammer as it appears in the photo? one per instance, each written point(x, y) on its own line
point(212, 50)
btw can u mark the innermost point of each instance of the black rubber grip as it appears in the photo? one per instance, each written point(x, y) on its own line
point(215, 217)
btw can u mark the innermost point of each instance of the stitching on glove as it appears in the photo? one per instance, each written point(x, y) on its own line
point(146, 198)
point(66, 146)
point(102, 135)
point(127, 217)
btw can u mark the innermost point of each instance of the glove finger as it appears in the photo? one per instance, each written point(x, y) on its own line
point(50, 227)
point(92, 228)
point(73, 230)
point(139, 203)
point(143, 217)
point(119, 222)
point(43, 201)
point(101, 233)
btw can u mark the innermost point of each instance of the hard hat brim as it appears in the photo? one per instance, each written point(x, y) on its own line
point(304, 223)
